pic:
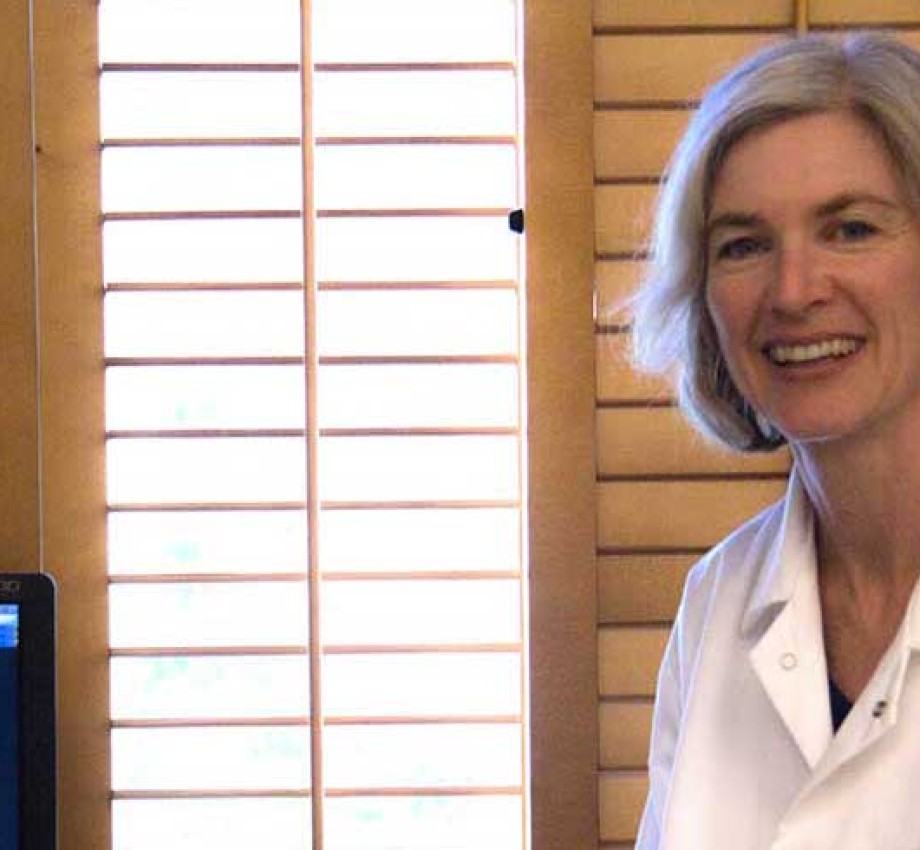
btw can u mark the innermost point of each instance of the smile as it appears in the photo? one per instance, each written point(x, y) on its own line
point(795, 353)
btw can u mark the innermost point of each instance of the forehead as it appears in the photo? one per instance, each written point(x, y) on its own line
point(805, 161)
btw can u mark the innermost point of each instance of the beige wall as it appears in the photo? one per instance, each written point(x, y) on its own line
point(663, 496)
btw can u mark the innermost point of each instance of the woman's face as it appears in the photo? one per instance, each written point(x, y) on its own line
point(814, 279)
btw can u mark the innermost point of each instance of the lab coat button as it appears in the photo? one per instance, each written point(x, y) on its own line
point(788, 661)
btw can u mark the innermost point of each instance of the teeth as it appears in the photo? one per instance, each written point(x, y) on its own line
point(812, 351)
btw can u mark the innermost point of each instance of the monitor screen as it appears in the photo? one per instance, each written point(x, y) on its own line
point(28, 717)
point(9, 725)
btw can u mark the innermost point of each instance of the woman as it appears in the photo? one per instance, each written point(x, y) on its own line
point(784, 292)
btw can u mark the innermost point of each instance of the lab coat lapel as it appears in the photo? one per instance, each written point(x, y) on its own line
point(789, 661)
point(788, 655)
point(876, 711)
point(873, 716)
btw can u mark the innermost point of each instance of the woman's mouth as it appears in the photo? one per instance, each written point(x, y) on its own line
point(787, 354)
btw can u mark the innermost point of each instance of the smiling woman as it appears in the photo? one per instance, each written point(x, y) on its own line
point(784, 289)
point(813, 265)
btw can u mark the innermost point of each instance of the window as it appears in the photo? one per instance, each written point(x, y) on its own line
point(313, 382)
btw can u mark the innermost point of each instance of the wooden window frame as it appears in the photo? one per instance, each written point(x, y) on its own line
point(560, 423)
point(54, 510)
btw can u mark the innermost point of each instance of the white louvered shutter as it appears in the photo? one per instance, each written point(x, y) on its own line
point(312, 309)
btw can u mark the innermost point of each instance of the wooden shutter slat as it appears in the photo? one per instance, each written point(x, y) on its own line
point(369, 575)
point(852, 13)
point(624, 734)
point(368, 720)
point(641, 588)
point(615, 282)
point(327, 649)
point(665, 68)
point(618, 382)
point(623, 217)
point(659, 441)
point(622, 796)
point(696, 13)
point(628, 659)
point(678, 514)
point(634, 143)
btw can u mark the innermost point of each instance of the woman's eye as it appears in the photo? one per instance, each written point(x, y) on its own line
point(852, 231)
point(740, 248)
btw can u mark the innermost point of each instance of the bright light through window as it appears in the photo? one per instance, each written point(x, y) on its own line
point(396, 582)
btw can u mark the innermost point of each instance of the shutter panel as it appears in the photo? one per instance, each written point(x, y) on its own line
point(664, 496)
point(313, 414)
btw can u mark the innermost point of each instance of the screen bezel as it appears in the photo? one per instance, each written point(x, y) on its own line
point(34, 593)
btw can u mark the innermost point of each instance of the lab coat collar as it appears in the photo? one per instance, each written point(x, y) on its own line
point(912, 621)
point(783, 619)
point(785, 547)
point(783, 622)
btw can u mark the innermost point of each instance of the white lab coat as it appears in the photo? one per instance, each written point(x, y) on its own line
point(743, 755)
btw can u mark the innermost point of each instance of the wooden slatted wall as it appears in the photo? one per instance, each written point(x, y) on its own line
point(664, 496)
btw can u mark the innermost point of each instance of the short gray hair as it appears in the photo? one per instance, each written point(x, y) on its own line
point(869, 74)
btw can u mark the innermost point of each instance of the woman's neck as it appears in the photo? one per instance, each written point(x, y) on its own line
point(867, 504)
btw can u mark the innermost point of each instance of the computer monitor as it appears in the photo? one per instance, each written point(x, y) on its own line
point(28, 764)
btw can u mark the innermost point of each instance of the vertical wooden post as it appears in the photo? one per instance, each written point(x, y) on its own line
point(801, 16)
point(71, 386)
point(560, 426)
point(19, 462)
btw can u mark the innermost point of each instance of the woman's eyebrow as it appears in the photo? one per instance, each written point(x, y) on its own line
point(836, 204)
point(733, 219)
point(847, 199)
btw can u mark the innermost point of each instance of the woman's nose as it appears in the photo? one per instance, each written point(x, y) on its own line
point(799, 283)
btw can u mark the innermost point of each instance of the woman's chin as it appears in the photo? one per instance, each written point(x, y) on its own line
point(801, 431)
